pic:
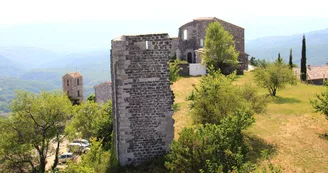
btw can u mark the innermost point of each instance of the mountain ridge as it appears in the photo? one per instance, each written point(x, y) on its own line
point(269, 47)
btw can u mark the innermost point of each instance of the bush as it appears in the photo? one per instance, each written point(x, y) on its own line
point(216, 97)
point(96, 160)
point(211, 147)
point(174, 71)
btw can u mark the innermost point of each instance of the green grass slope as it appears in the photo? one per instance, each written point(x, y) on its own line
point(290, 128)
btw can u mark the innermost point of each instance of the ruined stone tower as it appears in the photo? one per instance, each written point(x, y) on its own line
point(103, 92)
point(142, 97)
point(73, 85)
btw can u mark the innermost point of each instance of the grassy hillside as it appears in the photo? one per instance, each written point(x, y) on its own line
point(289, 129)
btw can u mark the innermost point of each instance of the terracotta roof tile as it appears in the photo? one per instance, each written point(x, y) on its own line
point(75, 74)
point(314, 72)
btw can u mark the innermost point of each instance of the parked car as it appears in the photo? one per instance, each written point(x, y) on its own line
point(80, 142)
point(79, 146)
point(65, 157)
point(86, 150)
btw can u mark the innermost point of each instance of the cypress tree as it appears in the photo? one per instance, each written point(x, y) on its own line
point(291, 59)
point(279, 60)
point(303, 60)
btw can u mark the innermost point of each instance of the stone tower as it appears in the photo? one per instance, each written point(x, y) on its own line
point(73, 85)
point(103, 92)
point(142, 98)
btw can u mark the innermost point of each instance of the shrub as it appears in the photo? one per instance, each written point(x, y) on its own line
point(211, 147)
point(216, 97)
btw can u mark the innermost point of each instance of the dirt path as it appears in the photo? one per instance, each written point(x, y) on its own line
point(51, 158)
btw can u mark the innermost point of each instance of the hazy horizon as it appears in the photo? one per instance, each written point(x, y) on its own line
point(77, 26)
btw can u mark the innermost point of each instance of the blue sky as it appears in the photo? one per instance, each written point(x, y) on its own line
point(85, 24)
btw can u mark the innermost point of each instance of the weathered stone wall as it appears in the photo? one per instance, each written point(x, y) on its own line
point(142, 98)
point(103, 92)
point(174, 51)
point(73, 89)
point(243, 62)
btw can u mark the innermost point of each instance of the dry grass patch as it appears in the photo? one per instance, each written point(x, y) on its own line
point(182, 88)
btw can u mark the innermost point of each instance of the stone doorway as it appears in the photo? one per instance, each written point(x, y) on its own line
point(189, 57)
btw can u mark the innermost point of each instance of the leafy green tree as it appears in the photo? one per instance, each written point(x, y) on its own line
point(210, 147)
point(92, 98)
point(174, 71)
point(219, 47)
point(274, 77)
point(320, 104)
point(279, 60)
point(216, 97)
point(90, 120)
point(253, 61)
point(261, 63)
point(28, 134)
point(96, 160)
point(291, 65)
point(303, 60)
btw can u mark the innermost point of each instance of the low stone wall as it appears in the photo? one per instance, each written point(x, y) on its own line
point(184, 69)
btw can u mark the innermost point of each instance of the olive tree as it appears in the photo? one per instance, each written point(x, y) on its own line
point(274, 76)
point(35, 125)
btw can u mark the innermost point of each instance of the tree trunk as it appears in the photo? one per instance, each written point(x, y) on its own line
point(274, 91)
point(56, 154)
point(42, 164)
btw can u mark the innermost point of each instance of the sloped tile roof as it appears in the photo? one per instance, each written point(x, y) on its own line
point(75, 74)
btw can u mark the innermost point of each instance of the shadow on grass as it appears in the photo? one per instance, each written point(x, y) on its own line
point(324, 136)
point(176, 107)
point(155, 165)
point(284, 100)
point(256, 146)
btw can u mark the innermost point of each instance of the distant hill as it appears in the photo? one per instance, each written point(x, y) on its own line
point(29, 57)
point(10, 68)
point(47, 74)
point(269, 47)
point(9, 85)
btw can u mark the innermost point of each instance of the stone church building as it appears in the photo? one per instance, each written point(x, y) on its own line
point(192, 35)
point(73, 85)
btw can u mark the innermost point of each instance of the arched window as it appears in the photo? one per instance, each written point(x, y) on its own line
point(147, 45)
point(78, 93)
point(67, 82)
point(78, 81)
point(185, 34)
point(201, 43)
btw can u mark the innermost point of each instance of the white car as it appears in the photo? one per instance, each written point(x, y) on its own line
point(78, 146)
point(80, 142)
point(65, 157)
